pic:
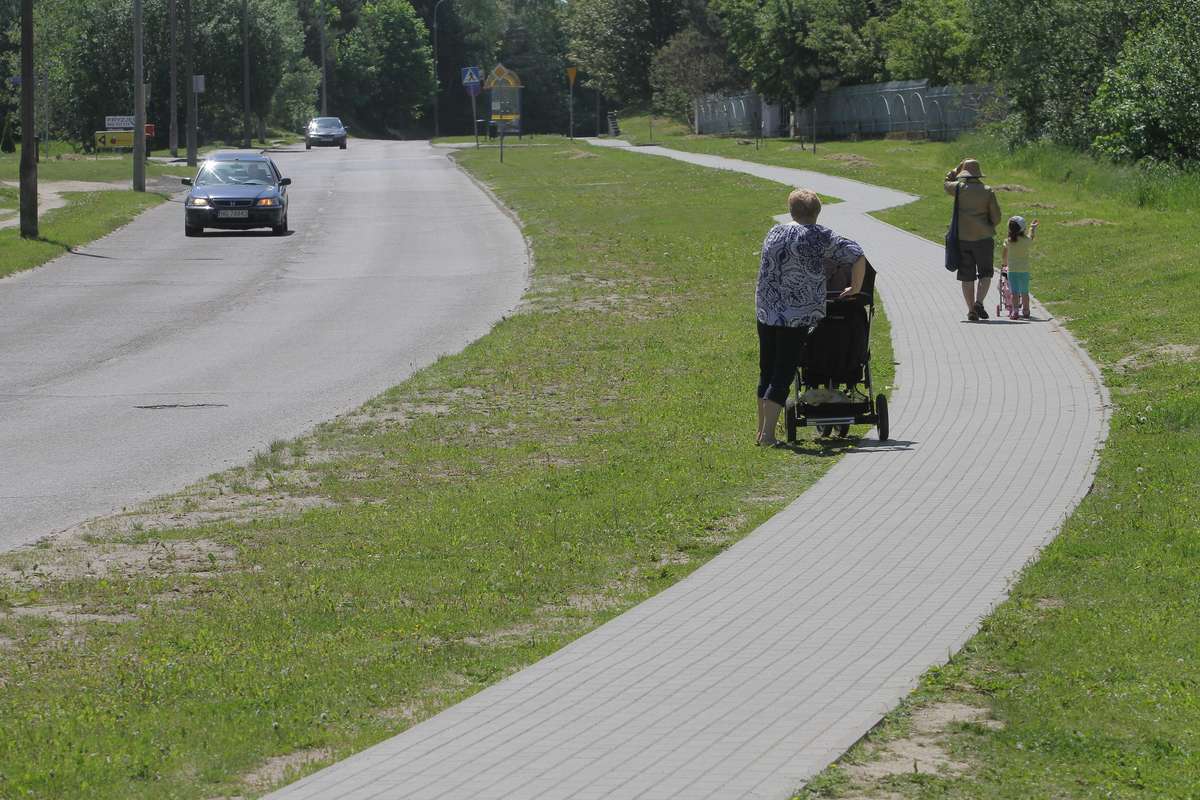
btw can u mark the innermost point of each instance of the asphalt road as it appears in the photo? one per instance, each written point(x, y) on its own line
point(238, 339)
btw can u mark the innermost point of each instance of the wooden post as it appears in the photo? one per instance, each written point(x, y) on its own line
point(139, 103)
point(29, 179)
point(190, 69)
point(246, 133)
point(173, 135)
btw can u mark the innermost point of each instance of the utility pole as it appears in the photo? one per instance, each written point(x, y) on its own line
point(190, 69)
point(324, 60)
point(139, 103)
point(173, 136)
point(437, 84)
point(246, 74)
point(29, 197)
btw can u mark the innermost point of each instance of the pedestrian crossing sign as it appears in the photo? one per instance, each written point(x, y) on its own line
point(472, 75)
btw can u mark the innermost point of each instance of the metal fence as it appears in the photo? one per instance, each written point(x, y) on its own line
point(744, 114)
point(910, 108)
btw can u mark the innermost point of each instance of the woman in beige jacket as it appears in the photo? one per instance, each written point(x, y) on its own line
point(978, 216)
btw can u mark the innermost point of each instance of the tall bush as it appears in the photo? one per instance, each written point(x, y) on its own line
point(1149, 102)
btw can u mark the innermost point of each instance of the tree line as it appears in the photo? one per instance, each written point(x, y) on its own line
point(1118, 78)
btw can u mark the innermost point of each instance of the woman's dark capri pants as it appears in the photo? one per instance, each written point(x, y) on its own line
point(779, 351)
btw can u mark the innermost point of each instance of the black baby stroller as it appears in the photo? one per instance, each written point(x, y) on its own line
point(833, 383)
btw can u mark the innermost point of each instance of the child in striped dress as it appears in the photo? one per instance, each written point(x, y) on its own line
point(1015, 258)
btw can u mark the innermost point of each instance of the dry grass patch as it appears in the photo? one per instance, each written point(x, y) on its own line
point(1011, 187)
point(280, 769)
point(853, 160)
point(73, 558)
point(1140, 359)
point(870, 771)
point(1085, 222)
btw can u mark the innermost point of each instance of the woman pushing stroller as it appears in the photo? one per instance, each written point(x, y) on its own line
point(790, 298)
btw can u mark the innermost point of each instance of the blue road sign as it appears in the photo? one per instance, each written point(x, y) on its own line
point(472, 75)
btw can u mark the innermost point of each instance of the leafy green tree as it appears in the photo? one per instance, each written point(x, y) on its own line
point(1149, 103)
point(692, 64)
point(932, 39)
point(609, 43)
point(385, 67)
point(534, 46)
point(295, 99)
point(469, 34)
point(1050, 58)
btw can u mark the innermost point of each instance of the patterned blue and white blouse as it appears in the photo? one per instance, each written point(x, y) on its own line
point(791, 275)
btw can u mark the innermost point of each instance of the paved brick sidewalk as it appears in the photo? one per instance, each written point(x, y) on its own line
point(767, 663)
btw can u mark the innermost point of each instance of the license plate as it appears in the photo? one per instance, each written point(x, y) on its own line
point(237, 213)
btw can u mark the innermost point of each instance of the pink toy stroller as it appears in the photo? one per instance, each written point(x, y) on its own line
point(1005, 307)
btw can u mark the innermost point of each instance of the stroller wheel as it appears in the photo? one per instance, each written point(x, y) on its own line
point(825, 430)
point(881, 412)
point(843, 431)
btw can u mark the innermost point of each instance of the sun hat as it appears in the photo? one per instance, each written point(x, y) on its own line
point(1020, 223)
point(971, 167)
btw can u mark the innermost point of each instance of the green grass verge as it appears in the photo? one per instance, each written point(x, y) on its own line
point(1093, 664)
point(86, 217)
point(591, 450)
point(63, 164)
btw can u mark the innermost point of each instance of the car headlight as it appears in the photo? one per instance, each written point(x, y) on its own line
point(198, 202)
point(267, 201)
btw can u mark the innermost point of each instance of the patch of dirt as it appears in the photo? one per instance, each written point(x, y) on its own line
point(505, 636)
point(1042, 205)
point(673, 559)
point(1049, 603)
point(850, 160)
point(6, 643)
point(1085, 222)
point(274, 770)
point(62, 613)
point(922, 750)
point(1163, 352)
point(1011, 187)
point(582, 154)
point(770, 498)
point(719, 531)
point(633, 298)
point(71, 558)
point(407, 712)
point(226, 505)
point(591, 602)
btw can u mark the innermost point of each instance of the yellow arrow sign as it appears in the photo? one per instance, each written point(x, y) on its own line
point(571, 72)
point(107, 140)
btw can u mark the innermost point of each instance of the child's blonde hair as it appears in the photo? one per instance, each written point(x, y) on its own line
point(804, 204)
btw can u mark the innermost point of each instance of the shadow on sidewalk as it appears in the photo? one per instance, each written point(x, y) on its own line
point(826, 447)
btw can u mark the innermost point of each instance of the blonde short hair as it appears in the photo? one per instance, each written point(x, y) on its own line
point(804, 204)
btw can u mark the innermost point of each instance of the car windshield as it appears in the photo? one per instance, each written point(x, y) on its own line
point(328, 122)
point(248, 173)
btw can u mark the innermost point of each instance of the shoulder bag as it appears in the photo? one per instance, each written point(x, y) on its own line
point(952, 255)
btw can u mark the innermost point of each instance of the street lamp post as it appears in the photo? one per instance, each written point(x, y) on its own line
point(436, 82)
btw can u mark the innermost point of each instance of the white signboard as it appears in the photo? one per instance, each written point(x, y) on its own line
point(198, 84)
point(119, 122)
